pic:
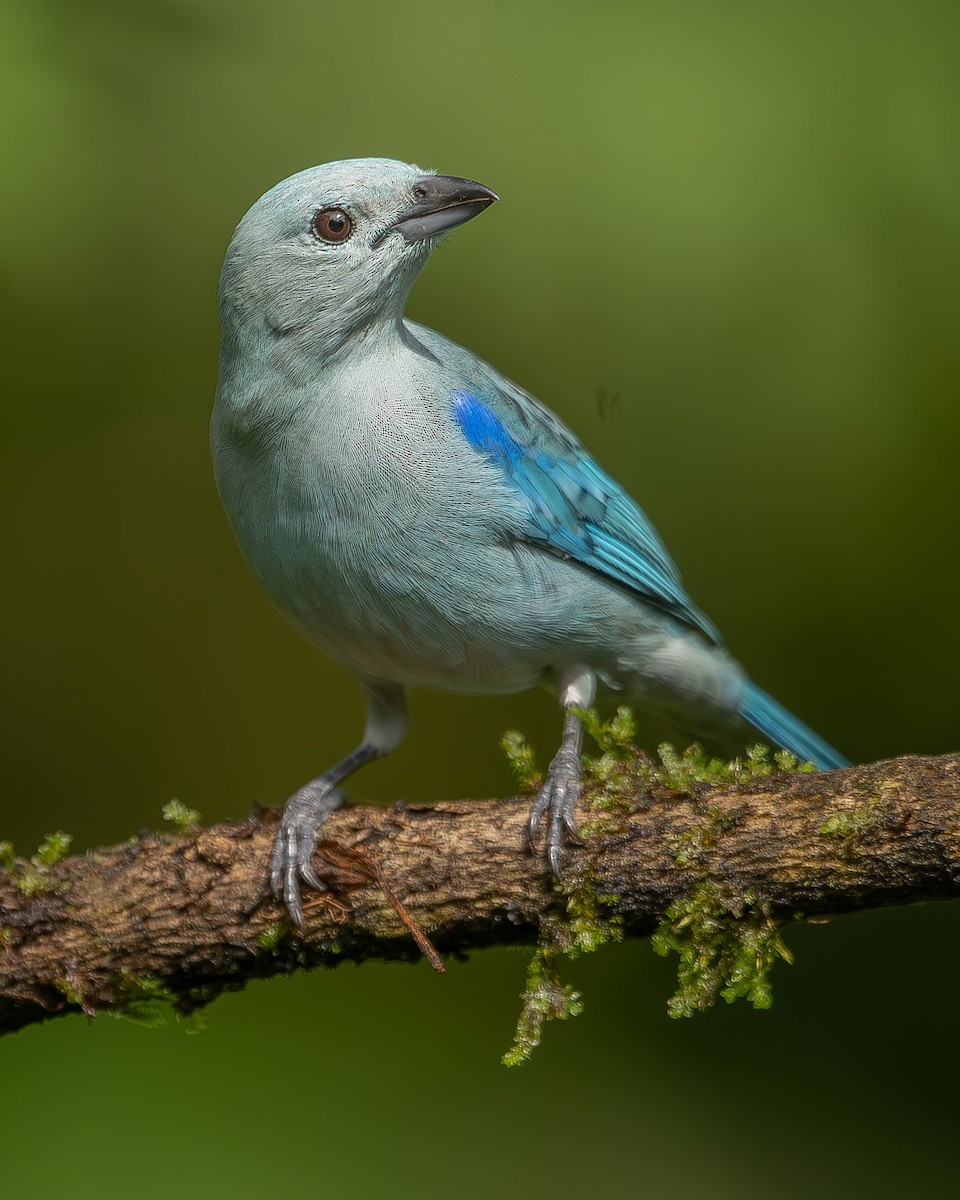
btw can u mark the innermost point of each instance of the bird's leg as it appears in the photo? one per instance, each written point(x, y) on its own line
point(310, 806)
point(560, 793)
point(303, 814)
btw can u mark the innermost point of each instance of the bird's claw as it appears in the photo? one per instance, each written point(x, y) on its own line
point(557, 799)
point(291, 863)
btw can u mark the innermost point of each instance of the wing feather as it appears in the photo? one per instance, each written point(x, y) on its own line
point(575, 509)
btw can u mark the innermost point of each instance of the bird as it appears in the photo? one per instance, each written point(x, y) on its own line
point(425, 521)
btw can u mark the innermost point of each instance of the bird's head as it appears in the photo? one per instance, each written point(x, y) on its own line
point(334, 250)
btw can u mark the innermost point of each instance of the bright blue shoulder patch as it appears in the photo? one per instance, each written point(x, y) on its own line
point(484, 430)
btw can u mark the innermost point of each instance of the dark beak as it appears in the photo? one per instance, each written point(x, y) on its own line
point(441, 202)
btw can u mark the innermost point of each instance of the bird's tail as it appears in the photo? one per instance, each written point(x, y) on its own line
point(786, 732)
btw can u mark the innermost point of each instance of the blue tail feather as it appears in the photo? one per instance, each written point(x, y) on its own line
point(786, 732)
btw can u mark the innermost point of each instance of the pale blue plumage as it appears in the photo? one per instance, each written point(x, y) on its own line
point(420, 517)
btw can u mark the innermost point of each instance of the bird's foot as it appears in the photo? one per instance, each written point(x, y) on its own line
point(291, 864)
point(557, 800)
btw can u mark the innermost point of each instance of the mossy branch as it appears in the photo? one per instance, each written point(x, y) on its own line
point(713, 870)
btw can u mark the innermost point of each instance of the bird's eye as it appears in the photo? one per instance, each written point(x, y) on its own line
point(332, 225)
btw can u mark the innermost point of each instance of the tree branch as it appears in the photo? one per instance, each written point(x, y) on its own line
point(185, 916)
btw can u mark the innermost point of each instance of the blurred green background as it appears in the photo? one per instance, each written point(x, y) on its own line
point(727, 255)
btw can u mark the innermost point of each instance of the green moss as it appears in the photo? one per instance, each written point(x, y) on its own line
point(586, 925)
point(545, 998)
point(148, 1002)
point(590, 918)
point(722, 952)
point(726, 945)
point(145, 1001)
point(851, 825)
point(30, 881)
point(70, 992)
point(588, 921)
point(53, 847)
point(270, 937)
point(522, 759)
point(616, 737)
point(31, 873)
point(613, 779)
point(182, 818)
point(695, 767)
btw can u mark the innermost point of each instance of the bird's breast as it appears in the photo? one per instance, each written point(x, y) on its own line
point(380, 533)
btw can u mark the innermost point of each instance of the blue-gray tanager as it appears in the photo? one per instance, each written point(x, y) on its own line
point(422, 519)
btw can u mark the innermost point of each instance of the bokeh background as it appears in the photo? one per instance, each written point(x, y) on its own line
point(728, 255)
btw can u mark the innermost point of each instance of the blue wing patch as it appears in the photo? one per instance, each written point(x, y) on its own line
point(579, 512)
point(484, 431)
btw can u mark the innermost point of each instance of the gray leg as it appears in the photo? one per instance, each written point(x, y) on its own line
point(560, 793)
point(311, 805)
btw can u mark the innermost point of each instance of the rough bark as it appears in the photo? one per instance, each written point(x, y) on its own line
point(187, 912)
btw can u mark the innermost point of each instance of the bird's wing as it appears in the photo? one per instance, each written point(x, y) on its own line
point(574, 508)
